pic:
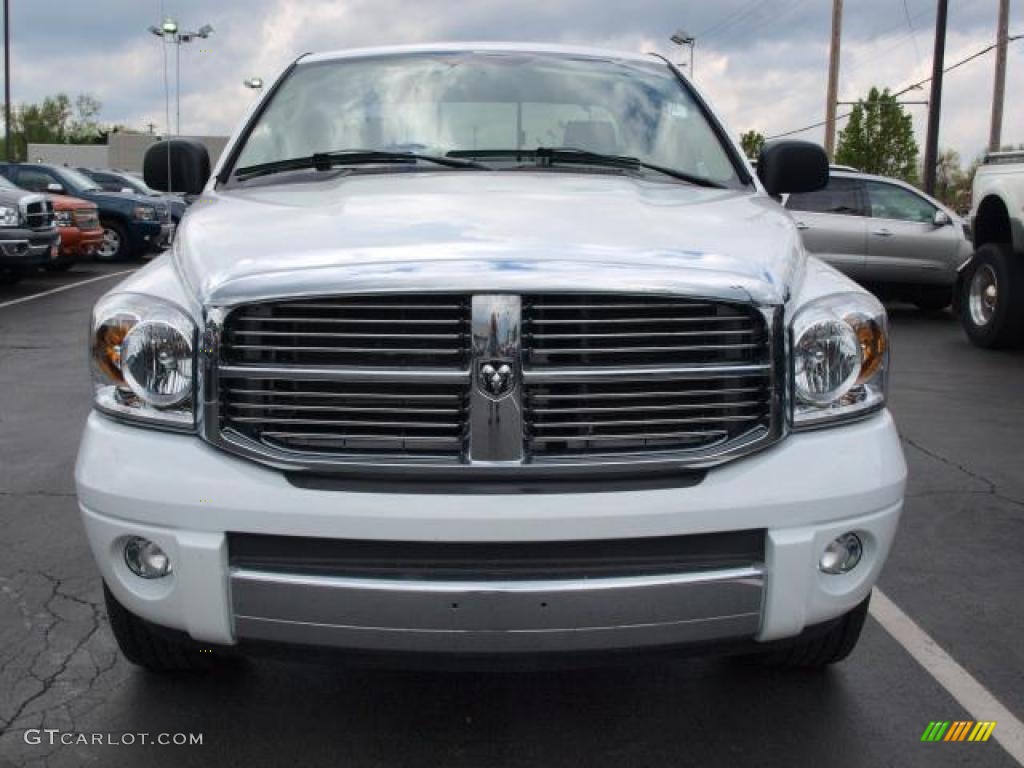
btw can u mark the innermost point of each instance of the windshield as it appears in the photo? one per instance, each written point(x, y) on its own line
point(6, 183)
point(137, 185)
point(440, 103)
point(75, 180)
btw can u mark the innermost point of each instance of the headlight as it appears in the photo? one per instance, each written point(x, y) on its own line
point(64, 218)
point(840, 359)
point(9, 216)
point(143, 360)
point(145, 213)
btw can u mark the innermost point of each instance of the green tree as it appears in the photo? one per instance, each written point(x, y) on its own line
point(879, 138)
point(752, 142)
point(56, 120)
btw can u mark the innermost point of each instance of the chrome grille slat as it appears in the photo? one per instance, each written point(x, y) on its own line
point(634, 437)
point(342, 409)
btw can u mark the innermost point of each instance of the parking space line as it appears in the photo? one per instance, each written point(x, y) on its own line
point(67, 287)
point(957, 681)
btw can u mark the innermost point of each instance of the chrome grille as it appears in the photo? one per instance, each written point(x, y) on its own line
point(347, 417)
point(394, 331)
point(39, 215)
point(616, 330)
point(674, 374)
point(601, 378)
point(294, 375)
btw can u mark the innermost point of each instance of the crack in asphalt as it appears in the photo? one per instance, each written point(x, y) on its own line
point(54, 622)
point(992, 487)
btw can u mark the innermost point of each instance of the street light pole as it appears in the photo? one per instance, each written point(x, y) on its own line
point(7, 82)
point(682, 38)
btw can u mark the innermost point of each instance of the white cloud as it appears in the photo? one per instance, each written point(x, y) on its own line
point(763, 70)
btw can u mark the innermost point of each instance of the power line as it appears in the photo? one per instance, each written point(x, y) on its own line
point(918, 84)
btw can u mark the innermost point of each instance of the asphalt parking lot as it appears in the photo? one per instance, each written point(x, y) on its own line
point(957, 571)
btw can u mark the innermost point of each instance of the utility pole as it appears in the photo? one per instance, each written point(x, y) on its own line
point(995, 137)
point(8, 149)
point(931, 147)
point(833, 79)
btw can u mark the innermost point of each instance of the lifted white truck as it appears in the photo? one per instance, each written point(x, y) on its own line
point(991, 285)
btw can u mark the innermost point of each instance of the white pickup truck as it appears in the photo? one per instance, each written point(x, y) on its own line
point(991, 293)
point(481, 351)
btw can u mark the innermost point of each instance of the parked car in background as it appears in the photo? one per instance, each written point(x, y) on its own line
point(122, 181)
point(133, 224)
point(28, 236)
point(78, 222)
point(885, 234)
point(991, 285)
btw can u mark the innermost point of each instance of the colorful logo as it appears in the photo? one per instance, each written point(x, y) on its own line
point(958, 730)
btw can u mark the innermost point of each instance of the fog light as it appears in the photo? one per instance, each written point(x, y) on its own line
point(842, 554)
point(145, 559)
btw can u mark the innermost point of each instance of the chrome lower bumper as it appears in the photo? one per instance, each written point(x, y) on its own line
point(497, 616)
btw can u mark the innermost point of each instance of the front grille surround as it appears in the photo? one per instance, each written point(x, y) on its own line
point(38, 214)
point(765, 378)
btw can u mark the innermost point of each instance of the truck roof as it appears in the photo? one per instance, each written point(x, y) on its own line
point(497, 47)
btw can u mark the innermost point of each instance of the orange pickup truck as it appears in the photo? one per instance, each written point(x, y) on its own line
point(78, 222)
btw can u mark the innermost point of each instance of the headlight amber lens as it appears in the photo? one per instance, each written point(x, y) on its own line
point(873, 345)
point(107, 344)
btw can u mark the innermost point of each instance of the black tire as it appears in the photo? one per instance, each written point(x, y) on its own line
point(11, 276)
point(62, 264)
point(821, 650)
point(932, 298)
point(141, 645)
point(993, 317)
point(115, 246)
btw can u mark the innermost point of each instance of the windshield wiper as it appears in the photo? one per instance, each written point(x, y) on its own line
point(549, 155)
point(324, 161)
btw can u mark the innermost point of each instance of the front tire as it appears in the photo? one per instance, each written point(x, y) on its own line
point(822, 650)
point(115, 242)
point(142, 646)
point(992, 297)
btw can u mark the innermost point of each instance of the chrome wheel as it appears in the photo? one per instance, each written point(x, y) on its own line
point(111, 244)
point(984, 295)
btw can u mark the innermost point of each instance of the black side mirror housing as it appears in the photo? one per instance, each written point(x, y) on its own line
point(188, 166)
point(792, 167)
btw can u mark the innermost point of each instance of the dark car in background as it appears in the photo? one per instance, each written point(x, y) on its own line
point(133, 224)
point(28, 235)
point(122, 181)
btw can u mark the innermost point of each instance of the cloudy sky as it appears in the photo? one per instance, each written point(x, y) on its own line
point(761, 62)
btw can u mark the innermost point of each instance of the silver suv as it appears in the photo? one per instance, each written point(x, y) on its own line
point(885, 234)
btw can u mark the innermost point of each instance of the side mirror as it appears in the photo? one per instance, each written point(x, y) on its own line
point(57, 189)
point(792, 167)
point(127, 190)
point(177, 165)
point(941, 219)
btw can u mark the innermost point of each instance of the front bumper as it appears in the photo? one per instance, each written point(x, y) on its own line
point(28, 247)
point(187, 497)
point(76, 242)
